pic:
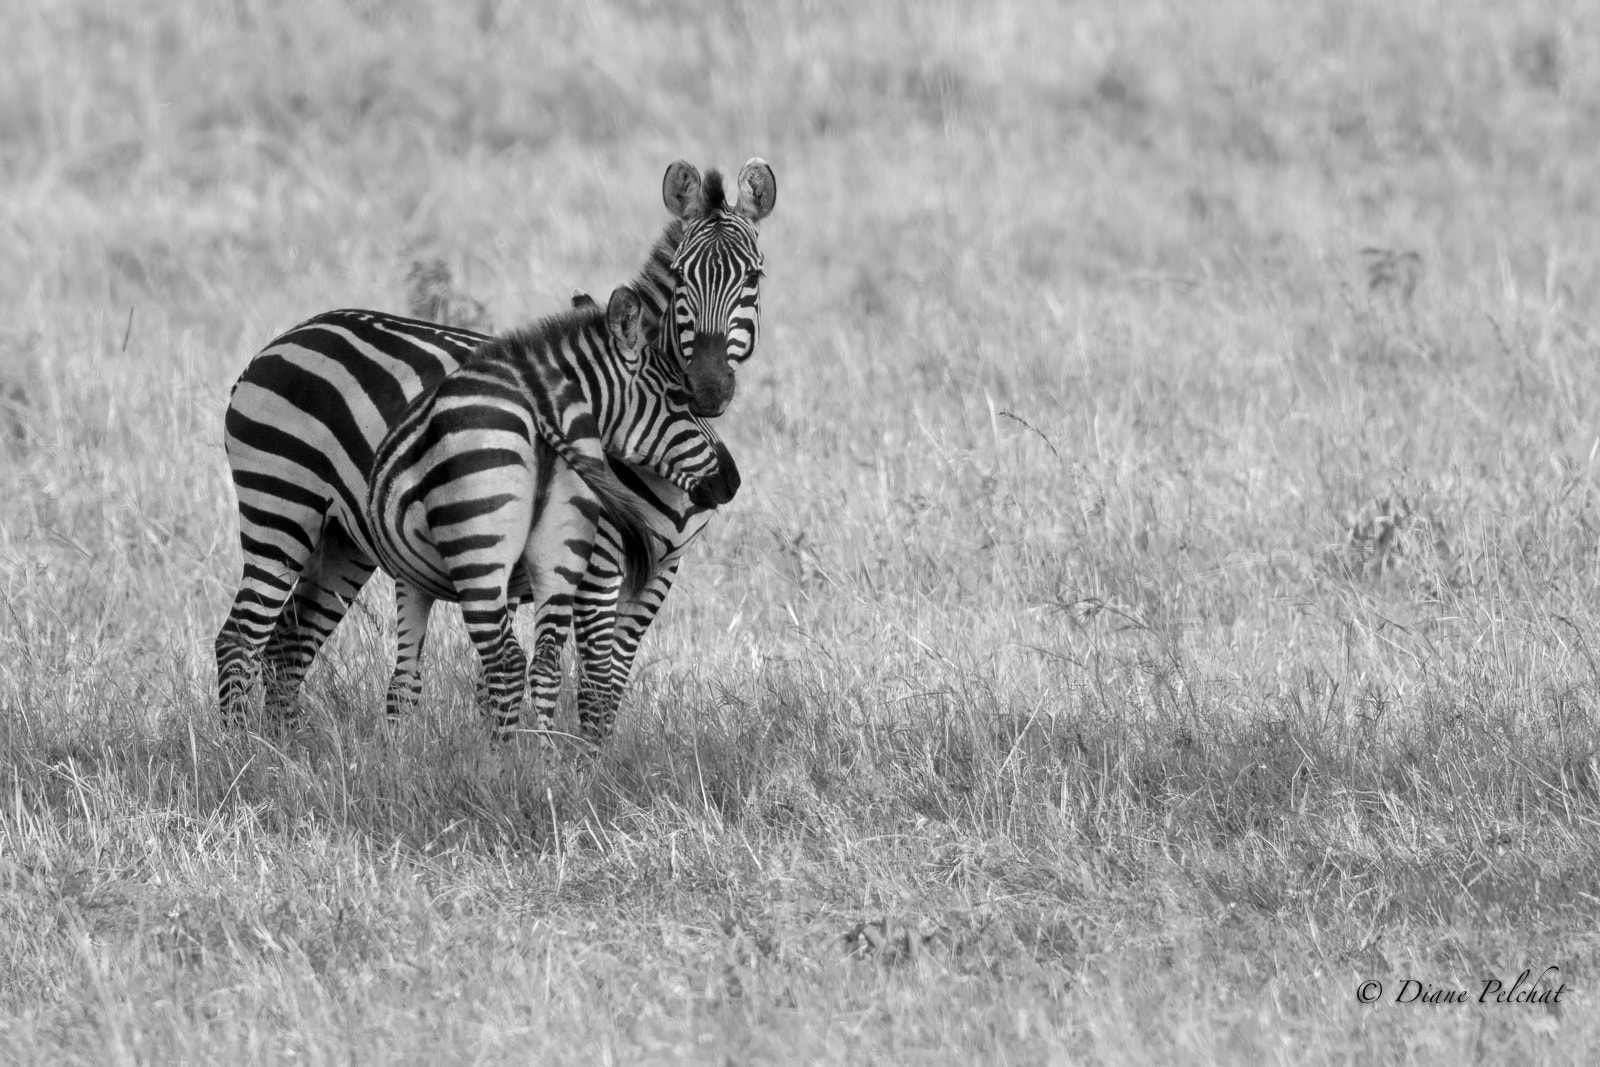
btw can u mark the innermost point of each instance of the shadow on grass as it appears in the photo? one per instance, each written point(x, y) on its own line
point(1440, 812)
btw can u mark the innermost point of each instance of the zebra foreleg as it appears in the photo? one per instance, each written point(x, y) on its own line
point(634, 617)
point(610, 627)
point(595, 623)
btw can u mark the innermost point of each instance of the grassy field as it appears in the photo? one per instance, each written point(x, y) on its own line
point(1165, 592)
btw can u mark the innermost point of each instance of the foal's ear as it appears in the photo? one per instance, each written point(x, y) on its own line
point(680, 191)
point(625, 320)
point(582, 300)
point(758, 190)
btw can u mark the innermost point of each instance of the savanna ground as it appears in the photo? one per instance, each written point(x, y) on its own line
point(1147, 615)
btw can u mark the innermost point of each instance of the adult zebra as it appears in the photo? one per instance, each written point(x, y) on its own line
point(471, 501)
point(307, 414)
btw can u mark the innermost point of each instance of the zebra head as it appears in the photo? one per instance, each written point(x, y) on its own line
point(715, 305)
point(653, 425)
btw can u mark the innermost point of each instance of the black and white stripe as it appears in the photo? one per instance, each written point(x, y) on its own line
point(488, 489)
point(306, 416)
point(610, 616)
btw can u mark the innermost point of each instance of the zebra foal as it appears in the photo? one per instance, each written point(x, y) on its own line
point(611, 609)
point(489, 488)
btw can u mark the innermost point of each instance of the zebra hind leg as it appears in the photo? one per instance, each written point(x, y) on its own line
point(268, 579)
point(333, 578)
point(505, 665)
point(550, 628)
point(412, 608)
point(555, 557)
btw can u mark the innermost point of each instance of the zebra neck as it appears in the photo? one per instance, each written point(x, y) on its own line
point(654, 280)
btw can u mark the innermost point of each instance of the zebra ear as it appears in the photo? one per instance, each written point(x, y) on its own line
point(758, 190)
point(625, 320)
point(582, 300)
point(680, 190)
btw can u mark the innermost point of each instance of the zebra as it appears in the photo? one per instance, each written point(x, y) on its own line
point(308, 412)
point(611, 609)
point(465, 505)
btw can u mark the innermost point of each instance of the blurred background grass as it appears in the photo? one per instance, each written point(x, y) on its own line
point(1137, 230)
point(1169, 488)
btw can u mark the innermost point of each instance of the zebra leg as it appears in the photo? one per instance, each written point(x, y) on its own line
point(332, 580)
point(556, 556)
point(276, 542)
point(610, 627)
point(505, 666)
point(411, 607)
point(595, 624)
point(552, 620)
point(633, 619)
point(469, 523)
point(261, 596)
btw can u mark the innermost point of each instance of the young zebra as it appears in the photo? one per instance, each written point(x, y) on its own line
point(308, 412)
point(466, 505)
point(611, 610)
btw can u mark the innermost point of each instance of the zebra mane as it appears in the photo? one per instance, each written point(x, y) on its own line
point(712, 198)
point(543, 332)
point(661, 253)
point(653, 282)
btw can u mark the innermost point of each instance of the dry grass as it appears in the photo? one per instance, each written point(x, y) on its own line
point(1147, 615)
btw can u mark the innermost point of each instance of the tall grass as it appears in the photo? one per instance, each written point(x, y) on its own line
point(1146, 615)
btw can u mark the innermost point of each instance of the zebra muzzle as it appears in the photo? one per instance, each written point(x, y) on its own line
point(710, 377)
point(719, 487)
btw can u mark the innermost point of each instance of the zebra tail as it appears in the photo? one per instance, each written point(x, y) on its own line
point(588, 462)
point(633, 528)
